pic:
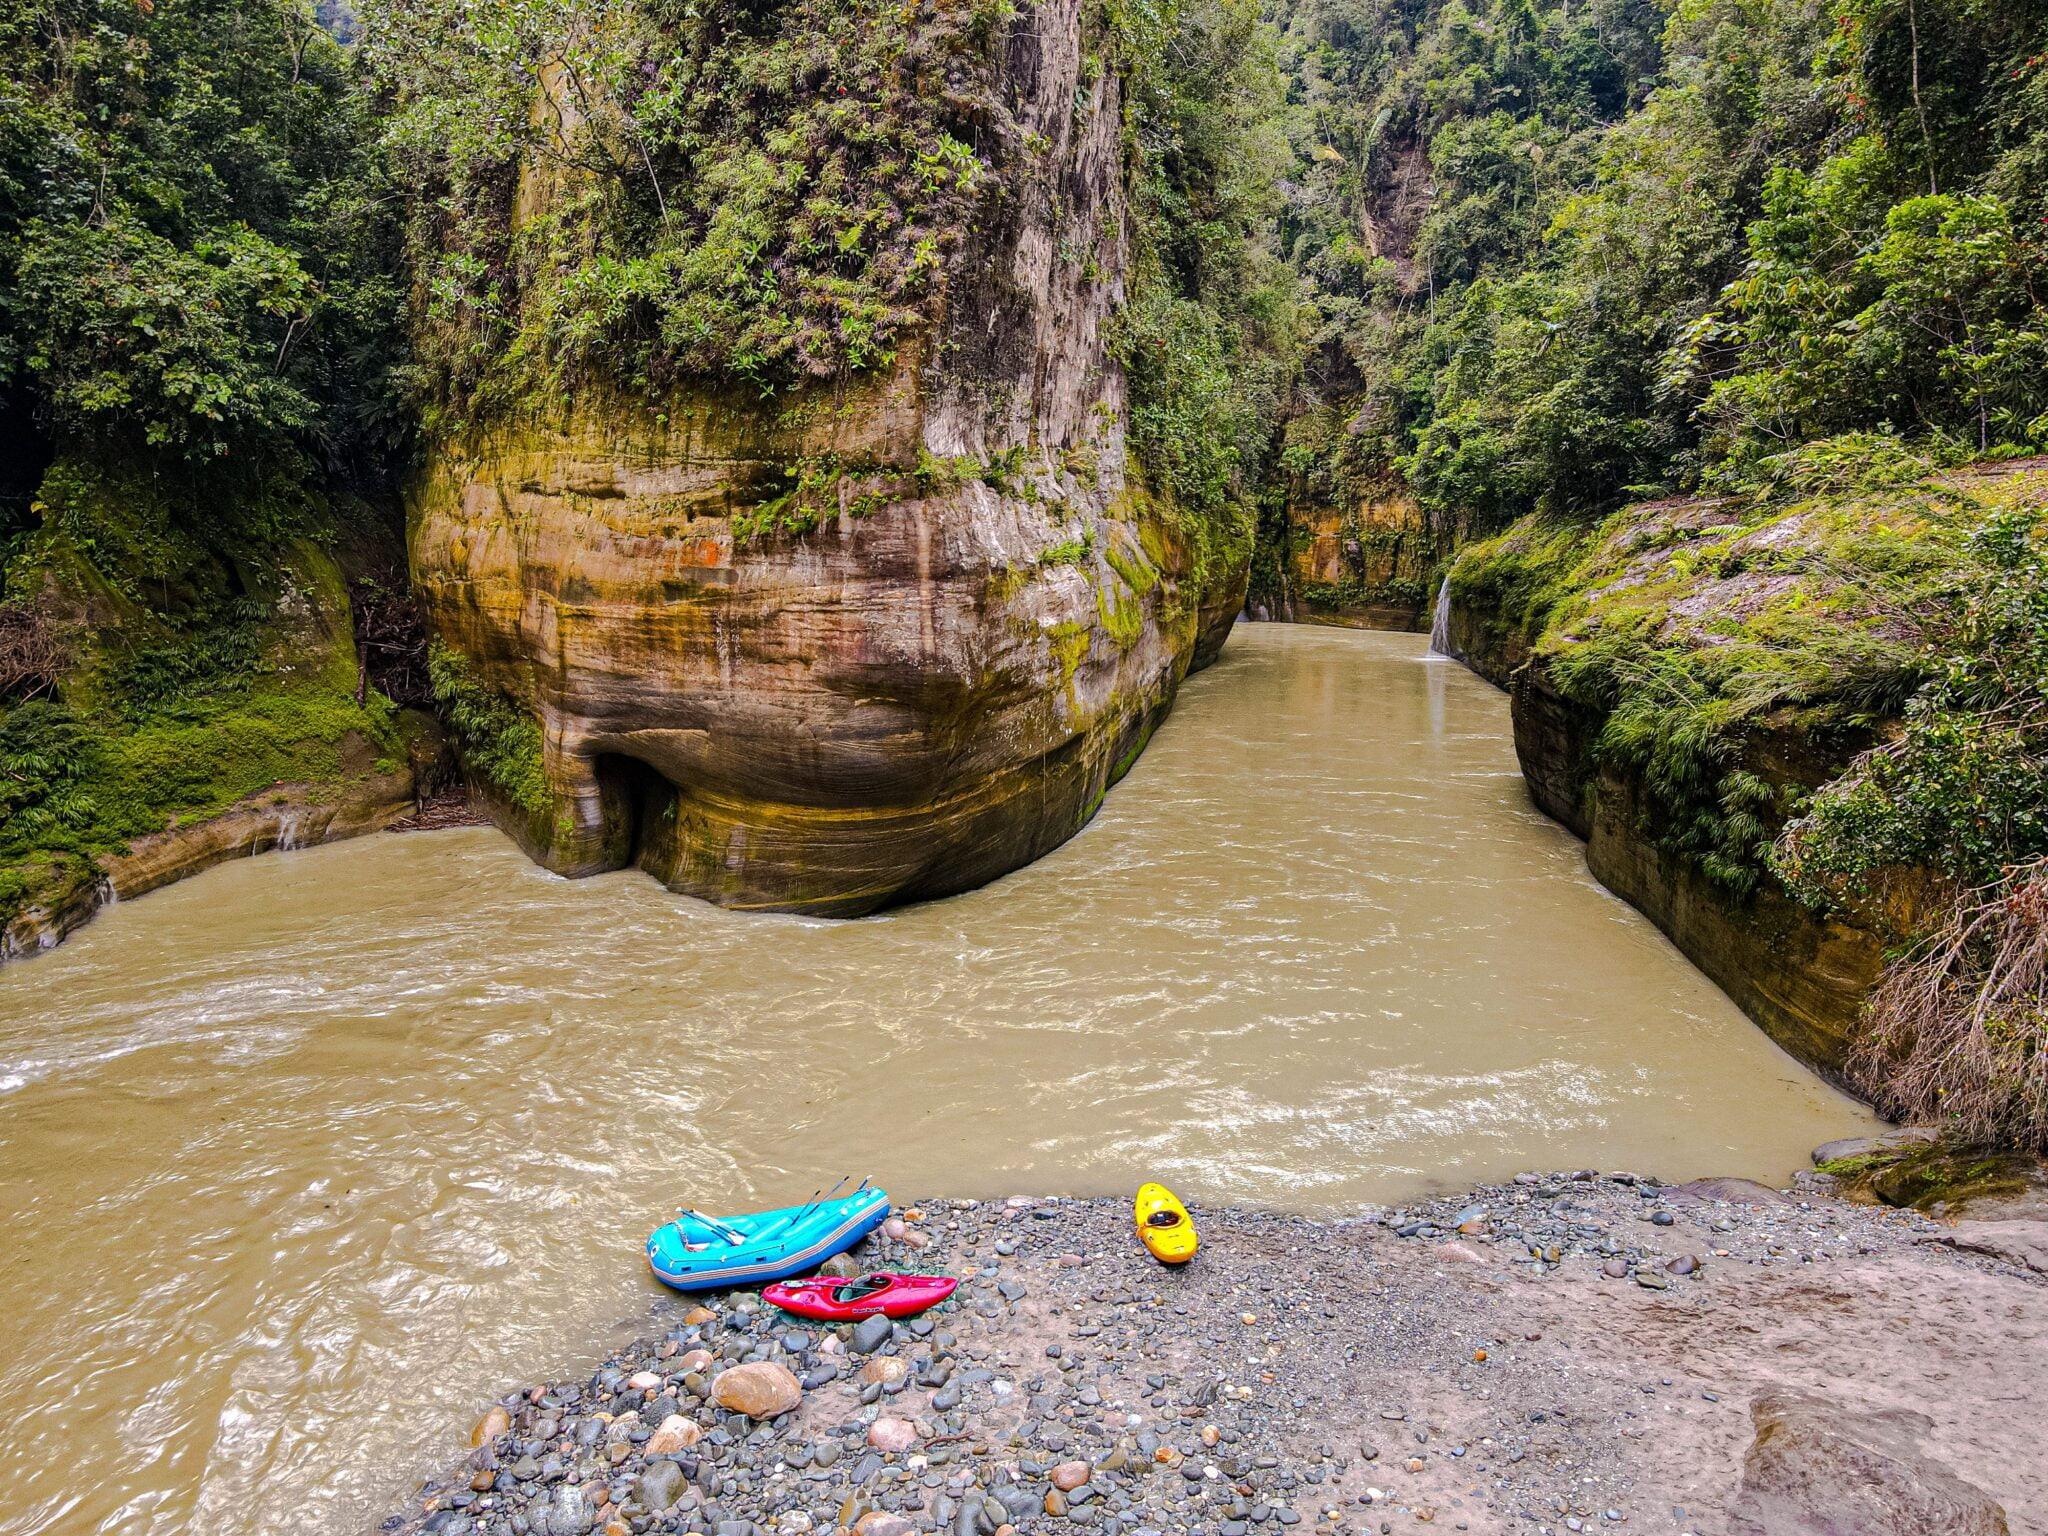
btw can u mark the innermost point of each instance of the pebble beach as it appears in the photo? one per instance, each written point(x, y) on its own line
point(1569, 1352)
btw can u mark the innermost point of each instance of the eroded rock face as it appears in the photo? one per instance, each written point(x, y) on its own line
point(855, 647)
point(1368, 565)
point(1799, 974)
point(2022, 1244)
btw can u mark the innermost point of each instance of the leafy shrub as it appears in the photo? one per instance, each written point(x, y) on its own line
point(48, 762)
point(194, 238)
point(728, 188)
point(501, 743)
point(1855, 310)
point(1962, 789)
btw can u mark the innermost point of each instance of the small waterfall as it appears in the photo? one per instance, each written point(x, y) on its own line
point(287, 833)
point(1440, 627)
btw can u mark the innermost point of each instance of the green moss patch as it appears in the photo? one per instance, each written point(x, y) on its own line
point(79, 783)
point(1690, 627)
point(500, 742)
point(1935, 1173)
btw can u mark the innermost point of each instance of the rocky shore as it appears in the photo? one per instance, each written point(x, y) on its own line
point(282, 816)
point(1570, 1352)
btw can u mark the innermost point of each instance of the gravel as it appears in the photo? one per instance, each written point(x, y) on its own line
point(1375, 1373)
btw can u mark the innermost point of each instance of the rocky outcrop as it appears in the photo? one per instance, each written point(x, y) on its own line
point(859, 645)
point(296, 753)
point(1368, 565)
point(1800, 975)
point(1919, 1168)
point(1817, 1468)
point(1522, 608)
point(1486, 643)
point(2022, 1244)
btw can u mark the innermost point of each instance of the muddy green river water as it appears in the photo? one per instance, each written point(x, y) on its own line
point(304, 1160)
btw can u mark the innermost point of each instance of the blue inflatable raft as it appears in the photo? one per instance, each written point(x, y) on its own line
point(701, 1253)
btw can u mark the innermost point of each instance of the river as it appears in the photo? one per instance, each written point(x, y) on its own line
point(304, 1160)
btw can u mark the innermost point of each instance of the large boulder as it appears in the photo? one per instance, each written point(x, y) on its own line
point(868, 641)
point(676, 1433)
point(892, 1435)
point(762, 1390)
point(1816, 1469)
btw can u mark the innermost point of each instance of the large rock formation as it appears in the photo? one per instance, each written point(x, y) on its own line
point(1368, 564)
point(848, 646)
point(1800, 974)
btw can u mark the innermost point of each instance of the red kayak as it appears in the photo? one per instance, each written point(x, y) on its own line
point(831, 1299)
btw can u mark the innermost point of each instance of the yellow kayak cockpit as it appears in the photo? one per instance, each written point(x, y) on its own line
point(1164, 1226)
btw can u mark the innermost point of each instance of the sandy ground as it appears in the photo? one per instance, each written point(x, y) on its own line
point(1567, 1353)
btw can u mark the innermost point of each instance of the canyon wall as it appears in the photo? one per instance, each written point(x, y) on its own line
point(1801, 975)
point(1368, 563)
point(283, 756)
point(863, 642)
point(1682, 576)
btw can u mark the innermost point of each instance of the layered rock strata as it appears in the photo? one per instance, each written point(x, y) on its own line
point(1369, 565)
point(1799, 974)
point(285, 816)
point(851, 646)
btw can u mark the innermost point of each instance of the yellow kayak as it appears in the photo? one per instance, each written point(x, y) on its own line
point(1164, 1226)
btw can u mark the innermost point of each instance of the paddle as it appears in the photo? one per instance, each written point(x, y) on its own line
point(730, 1234)
point(808, 1206)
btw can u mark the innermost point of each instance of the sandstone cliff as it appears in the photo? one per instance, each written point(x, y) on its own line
point(1800, 974)
point(870, 640)
point(1367, 562)
point(1683, 678)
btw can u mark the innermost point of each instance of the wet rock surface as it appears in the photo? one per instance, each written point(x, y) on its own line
point(1816, 1469)
point(1545, 1356)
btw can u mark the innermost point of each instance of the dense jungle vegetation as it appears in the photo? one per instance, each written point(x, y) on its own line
point(201, 370)
point(1562, 257)
point(1535, 263)
point(1786, 256)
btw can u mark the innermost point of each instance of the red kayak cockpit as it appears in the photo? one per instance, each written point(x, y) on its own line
point(863, 1288)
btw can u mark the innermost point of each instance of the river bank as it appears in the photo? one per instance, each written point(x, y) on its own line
point(1567, 1352)
point(397, 1112)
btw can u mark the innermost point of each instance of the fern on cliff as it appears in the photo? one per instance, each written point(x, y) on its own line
point(500, 742)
